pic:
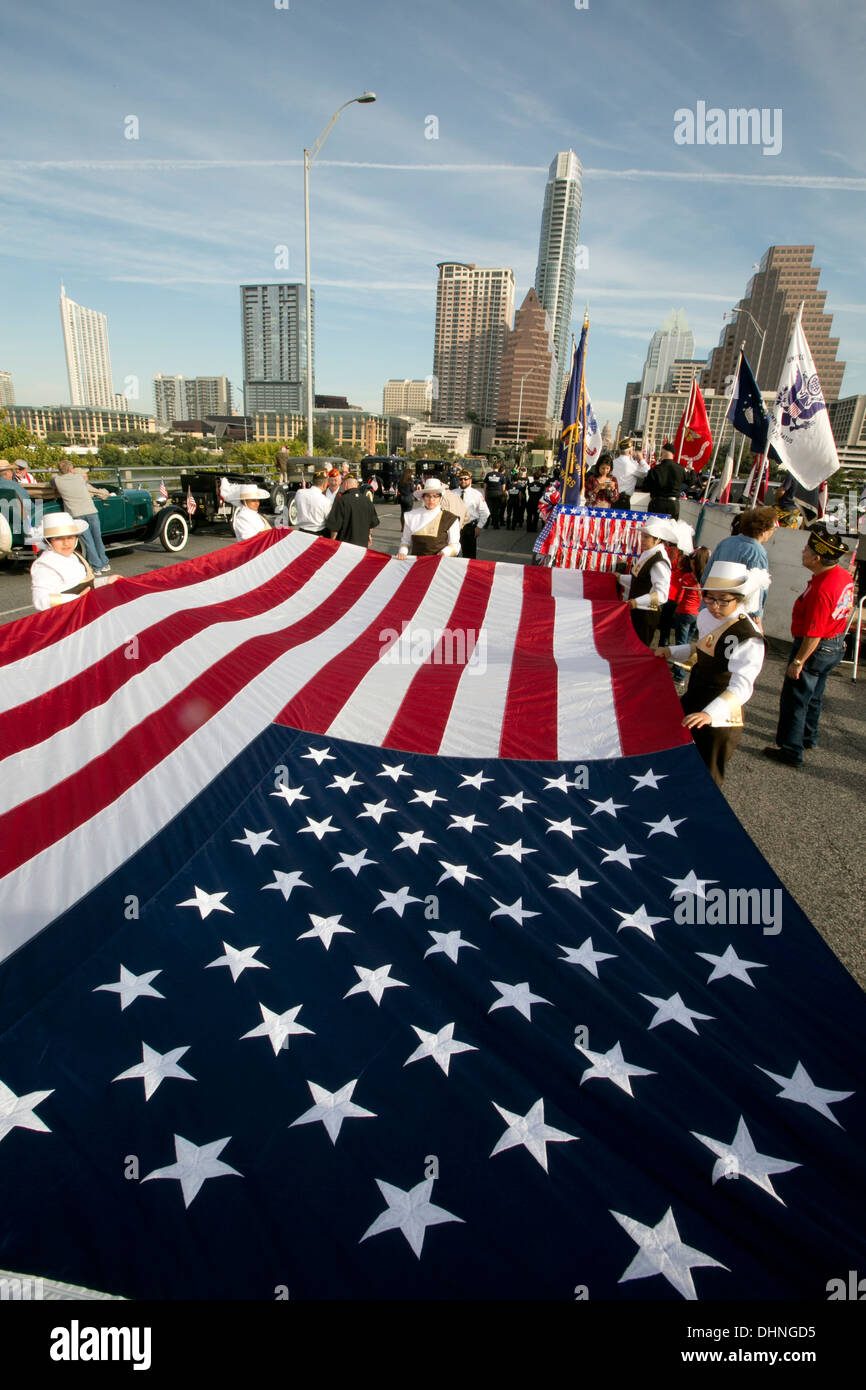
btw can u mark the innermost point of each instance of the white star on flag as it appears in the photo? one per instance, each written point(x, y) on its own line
point(572, 882)
point(255, 839)
point(477, 780)
point(323, 929)
point(611, 1066)
point(516, 911)
point(673, 1010)
point(131, 987)
point(689, 884)
point(800, 1087)
point(156, 1067)
point(564, 827)
point(427, 797)
point(319, 828)
point(441, 1046)
point(20, 1111)
point(376, 811)
point(515, 851)
point(290, 794)
point(354, 862)
point(466, 823)
point(639, 919)
point(740, 1159)
point(530, 1131)
point(238, 961)
point(448, 943)
point(665, 826)
point(662, 1252)
point(619, 856)
point(319, 756)
point(730, 964)
point(394, 772)
point(195, 1164)
point(609, 807)
point(557, 784)
point(410, 1212)
point(374, 983)
point(519, 997)
point(412, 839)
point(278, 1027)
point(397, 901)
point(344, 784)
point(286, 883)
point(332, 1108)
point(647, 779)
point(585, 955)
point(517, 802)
point(459, 872)
point(206, 902)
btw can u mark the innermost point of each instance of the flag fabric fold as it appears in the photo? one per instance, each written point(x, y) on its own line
point(693, 442)
point(373, 930)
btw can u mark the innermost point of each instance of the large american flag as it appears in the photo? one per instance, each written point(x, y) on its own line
point(334, 967)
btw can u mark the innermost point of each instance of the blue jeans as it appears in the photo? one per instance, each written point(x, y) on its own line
point(92, 540)
point(800, 701)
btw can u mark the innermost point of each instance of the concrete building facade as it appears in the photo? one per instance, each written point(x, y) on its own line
point(81, 424)
point(474, 308)
point(412, 398)
point(274, 330)
point(7, 390)
point(88, 360)
point(525, 385)
point(555, 271)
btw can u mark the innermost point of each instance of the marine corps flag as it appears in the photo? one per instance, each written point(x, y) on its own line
point(693, 442)
point(572, 443)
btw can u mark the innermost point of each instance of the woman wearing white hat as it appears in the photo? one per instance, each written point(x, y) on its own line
point(727, 656)
point(246, 521)
point(648, 585)
point(430, 529)
point(58, 575)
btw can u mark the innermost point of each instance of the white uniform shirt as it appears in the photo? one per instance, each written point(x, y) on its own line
point(476, 507)
point(247, 522)
point(744, 664)
point(420, 519)
point(51, 573)
point(627, 470)
point(309, 508)
point(660, 577)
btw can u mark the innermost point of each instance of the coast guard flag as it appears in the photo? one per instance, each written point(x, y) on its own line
point(373, 930)
point(800, 433)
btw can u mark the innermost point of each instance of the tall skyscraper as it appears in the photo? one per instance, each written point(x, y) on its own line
point(412, 398)
point(7, 390)
point(88, 361)
point(190, 398)
point(557, 249)
point(785, 279)
point(474, 307)
point(274, 326)
point(524, 378)
point(673, 342)
point(169, 398)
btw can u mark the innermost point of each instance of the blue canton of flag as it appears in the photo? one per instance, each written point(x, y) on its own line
point(746, 412)
point(572, 441)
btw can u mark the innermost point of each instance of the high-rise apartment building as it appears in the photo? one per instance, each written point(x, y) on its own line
point(411, 398)
point(557, 251)
point(785, 279)
point(190, 398)
point(88, 361)
point(683, 373)
point(673, 342)
point(629, 409)
point(169, 398)
point(7, 390)
point(474, 308)
point(274, 327)
point(525, 395)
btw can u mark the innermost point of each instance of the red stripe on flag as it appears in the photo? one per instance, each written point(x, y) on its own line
point(317, 704)
point(55, 709)
point(529, 721)
point(35, 825)
point(36, 631)
point(648, 712)
point(420, 722)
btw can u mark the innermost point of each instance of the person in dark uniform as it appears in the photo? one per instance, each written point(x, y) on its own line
point(534, 493)
point(494, 495)
point(353, 516)
point(727, 659)
point(664, 483)
point(516, 495)
point(647, 588)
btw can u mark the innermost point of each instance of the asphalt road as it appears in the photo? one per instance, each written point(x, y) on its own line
point(810, 825)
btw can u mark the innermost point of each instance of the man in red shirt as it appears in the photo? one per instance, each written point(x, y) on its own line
point(817, 624)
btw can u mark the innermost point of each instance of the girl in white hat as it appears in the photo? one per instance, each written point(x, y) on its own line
point(246, 521)
point(430, 529)
point(59, 575)
point(726, 660)
point(648, 585)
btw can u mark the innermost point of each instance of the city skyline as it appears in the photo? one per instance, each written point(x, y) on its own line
point(155, 207)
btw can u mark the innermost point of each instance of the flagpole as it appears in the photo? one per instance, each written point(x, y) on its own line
point(686, 422)
point(582, 407)
point(722, 430)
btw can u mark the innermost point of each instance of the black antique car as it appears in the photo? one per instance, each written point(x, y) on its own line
point(203, 487)
point(127, 517)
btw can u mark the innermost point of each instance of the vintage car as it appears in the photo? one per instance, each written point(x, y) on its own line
point(203, 487)
point(127, 517)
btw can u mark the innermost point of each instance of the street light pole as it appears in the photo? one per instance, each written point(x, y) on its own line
point(309, 156)
point(763, 333)
point(520, 403)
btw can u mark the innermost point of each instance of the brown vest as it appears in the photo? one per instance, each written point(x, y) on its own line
point(432, 543)
point(641, 582)
point(711, 673)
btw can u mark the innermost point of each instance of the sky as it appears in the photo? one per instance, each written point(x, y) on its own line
point(158, 232)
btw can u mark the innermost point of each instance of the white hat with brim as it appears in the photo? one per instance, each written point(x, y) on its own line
point(663, 528)
point(249, 491)
point(433, 485)
point(62, 524)
point(686, 542)
point(726, 577)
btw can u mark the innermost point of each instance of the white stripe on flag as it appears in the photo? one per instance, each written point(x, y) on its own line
point(475, 722)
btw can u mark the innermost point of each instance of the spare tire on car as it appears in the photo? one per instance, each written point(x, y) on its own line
point(174, 531)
